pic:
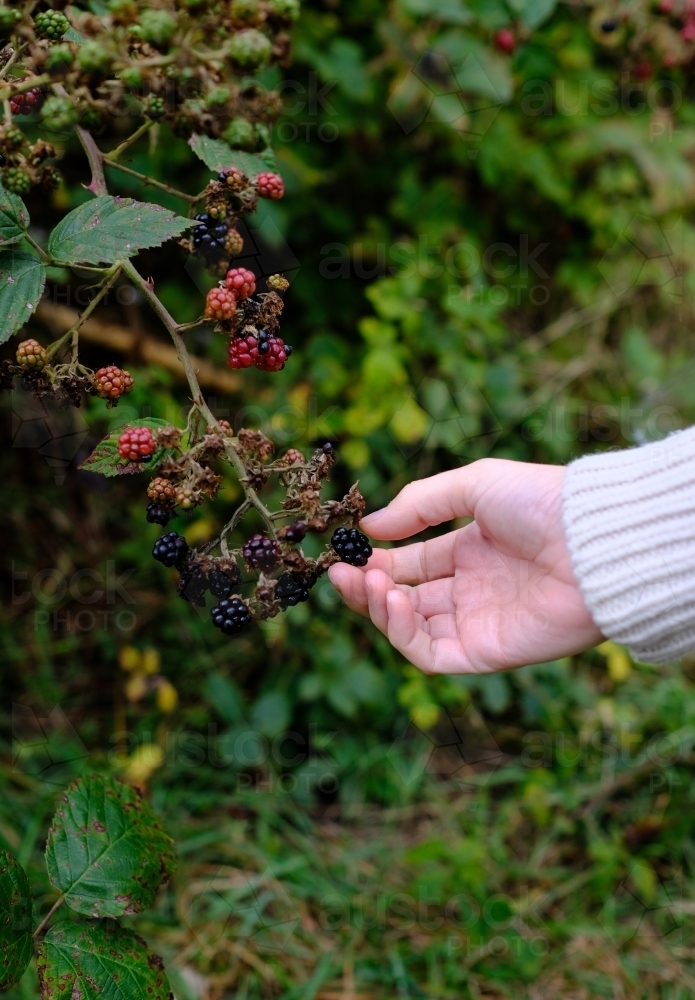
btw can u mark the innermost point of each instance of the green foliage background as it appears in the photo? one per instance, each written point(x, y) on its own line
point(414, 361)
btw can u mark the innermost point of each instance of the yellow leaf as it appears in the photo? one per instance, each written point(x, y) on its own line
point(129, 658)
point(355, 453)
point(143, 763)
point(167, 696)
point(410, 423)
point(136, 688)
point(201, 530)
point(617, 661)
point(151, 660)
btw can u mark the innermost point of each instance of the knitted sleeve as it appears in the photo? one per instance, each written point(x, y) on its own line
point(629, 518)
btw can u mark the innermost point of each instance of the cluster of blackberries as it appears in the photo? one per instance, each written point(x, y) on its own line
point(231, 615)
point(171, 549)
point(266, 351)
point(293, 588)
point(261, 552)
point(209, 235)
point(352, 546)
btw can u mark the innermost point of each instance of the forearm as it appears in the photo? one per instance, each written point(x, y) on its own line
point(629, 518)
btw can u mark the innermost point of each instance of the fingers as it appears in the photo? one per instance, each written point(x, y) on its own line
point(419, 562)
point(349, 582)
point(431, 501)
point(407, 632)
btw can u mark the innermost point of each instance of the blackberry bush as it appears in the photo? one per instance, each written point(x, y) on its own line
point(187, 67)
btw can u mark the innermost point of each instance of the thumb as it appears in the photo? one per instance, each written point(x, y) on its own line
point(440, 498)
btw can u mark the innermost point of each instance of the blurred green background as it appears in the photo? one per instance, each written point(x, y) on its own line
point(491, 254)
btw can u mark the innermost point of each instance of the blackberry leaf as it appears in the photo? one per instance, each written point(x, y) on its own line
point(106, 850)
point(15, 921)
point(22, 280)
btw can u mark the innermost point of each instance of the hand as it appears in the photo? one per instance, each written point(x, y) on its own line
point(496, 594)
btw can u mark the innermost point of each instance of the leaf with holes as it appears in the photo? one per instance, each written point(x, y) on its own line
point(106, 851)
point(91, 961)
point(217, 155)
point(15, 921)
point(14, 218)
point(22, 280)
point(108, 229)
point(107, 462)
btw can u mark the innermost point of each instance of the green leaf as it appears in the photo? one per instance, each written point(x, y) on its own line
point(107, 229)
point(217, 155)
point(14, 217)
point(106, 850)
point(22, 280)
point(90, 961)
point(533, 12)
point(74, 36)
point(15, 921)
point(106, 461)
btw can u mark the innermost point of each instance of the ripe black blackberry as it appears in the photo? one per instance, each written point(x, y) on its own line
point(159, 513)
point(171, 549)
point(192, 585)
point(261, 552)
point(352, 546)
point(222, 583)
point(231, 615)
point(291, 589)
point(209, 234)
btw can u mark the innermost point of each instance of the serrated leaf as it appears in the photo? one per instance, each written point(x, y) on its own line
point(93, 961)
point(106, 851)
point(106, 461)
point(14, 217)
point(15, 921)
point(22, 280)
point(217, 155)
point(107, 229)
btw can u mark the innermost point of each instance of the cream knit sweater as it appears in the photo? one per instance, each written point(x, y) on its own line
point(629, 518)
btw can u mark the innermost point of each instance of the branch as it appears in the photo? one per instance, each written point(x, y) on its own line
point(121, 148)
point(151, 182)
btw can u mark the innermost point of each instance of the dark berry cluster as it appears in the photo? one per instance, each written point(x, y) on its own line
point(292, 588)
point(27, 102)
point(231, 615)
point(171, 549)
point(352, 546)
point(209, 235)
point(261, 552)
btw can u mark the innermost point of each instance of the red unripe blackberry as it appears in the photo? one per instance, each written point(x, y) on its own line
point(112, 382)
point(234, 178)
point(505, 40)
point(225, 426)
point(293, 457)
point(688, 32)
point(241, 282)
point(243, 352)
point(136, 444)
point(220, 304)
point(161, 490)
point(273, 352)
point(665, 6)
point(270, 186)
point(30, 354)
point(261, 552)
point(26, 103)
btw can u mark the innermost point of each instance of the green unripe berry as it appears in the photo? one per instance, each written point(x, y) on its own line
point(59, 59)
point(156, 27)
point(50, 178)
point(12, 137)
point(154, 107)
point(245, 10)
point(250, 49)
point(240, 134)
point(217, 98)
point(59, 114)
point(51, 24)
point(92, 120)
point(94, 59)
point(16, 180)
point(8, 20)
point(131, 77)
point(287, 10)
